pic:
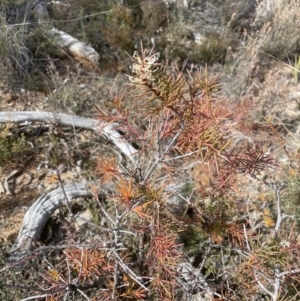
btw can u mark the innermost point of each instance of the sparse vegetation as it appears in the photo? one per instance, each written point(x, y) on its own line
point(14, 149)
point(203, 205)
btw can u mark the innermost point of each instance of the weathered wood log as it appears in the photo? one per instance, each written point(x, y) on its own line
point(38, 214)
point(72, 46)
point(81, 122)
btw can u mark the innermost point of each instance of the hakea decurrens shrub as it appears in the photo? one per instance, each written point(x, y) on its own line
point(177, 121)
point(172, 223)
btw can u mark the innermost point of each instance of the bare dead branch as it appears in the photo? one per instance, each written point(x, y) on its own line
point(75, 121)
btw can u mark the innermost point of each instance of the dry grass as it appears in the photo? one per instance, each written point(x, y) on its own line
point(15, 56)
point(283, 38)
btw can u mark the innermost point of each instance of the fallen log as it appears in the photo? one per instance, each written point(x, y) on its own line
point(38, 214)
point(80, 122)
point(75, 48)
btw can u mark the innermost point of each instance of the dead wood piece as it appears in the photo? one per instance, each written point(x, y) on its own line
point(81, 122)
point(71, 45)
point(38, 214)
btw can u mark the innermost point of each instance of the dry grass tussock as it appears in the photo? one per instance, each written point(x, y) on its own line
point(283, 37)
point(15, 56)
point(273, 34)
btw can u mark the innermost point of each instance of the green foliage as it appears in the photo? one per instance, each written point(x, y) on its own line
point(291, 193)
point(155, 15)
point(191, 237)
point(212, 49)
point(14, 149)
point(118, 30)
